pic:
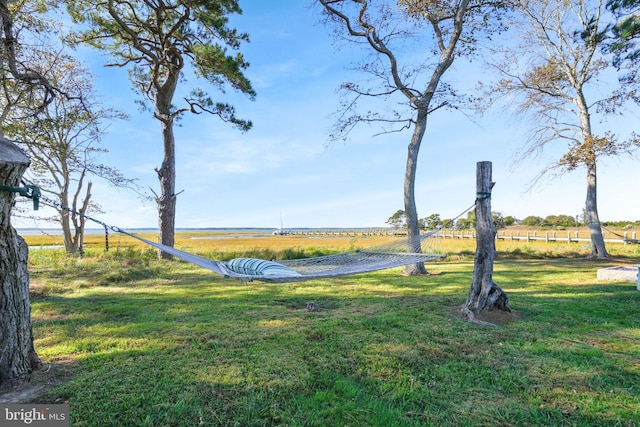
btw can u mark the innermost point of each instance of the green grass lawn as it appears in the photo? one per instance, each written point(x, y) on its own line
point(140, 342)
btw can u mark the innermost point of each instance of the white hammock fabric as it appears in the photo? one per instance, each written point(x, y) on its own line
point(342, 264)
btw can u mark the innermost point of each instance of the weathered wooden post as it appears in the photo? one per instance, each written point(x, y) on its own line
point(17, 355)
point(484, 294)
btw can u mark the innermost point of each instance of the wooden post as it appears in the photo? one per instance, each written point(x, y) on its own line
point(484, 295)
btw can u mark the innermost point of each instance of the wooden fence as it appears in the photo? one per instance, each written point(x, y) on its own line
point(514, 235)
point(544, 236)
point(346, 233)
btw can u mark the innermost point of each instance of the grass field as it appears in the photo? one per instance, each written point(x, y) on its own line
point(134, 341)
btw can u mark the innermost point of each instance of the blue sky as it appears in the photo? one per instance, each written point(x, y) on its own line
point(285, 168)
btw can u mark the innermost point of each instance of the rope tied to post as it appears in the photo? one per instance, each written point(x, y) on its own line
point(33, 192)
point(482, 195)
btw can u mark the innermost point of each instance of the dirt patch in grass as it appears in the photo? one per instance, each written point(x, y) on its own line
point(40, 382)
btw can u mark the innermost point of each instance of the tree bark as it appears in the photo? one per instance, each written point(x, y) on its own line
point(411, 212)
point(484, 294)
point(167, 200)
point(65, 220)
point(598, 247)
point(18, 357)
point(80, 221)
point(167, 172)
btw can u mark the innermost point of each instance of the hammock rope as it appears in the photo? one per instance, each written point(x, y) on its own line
point(622, 236)
point(296, 270)
point(342, 264)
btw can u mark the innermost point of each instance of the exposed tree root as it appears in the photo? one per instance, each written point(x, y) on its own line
point(471, 317)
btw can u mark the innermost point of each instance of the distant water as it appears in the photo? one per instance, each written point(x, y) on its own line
point(40, 231)
point(58, 232)
point(213, 230)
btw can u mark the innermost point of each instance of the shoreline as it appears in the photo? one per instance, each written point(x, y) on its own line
point(212, 230)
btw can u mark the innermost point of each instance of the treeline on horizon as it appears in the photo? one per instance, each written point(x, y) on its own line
point(434, 221)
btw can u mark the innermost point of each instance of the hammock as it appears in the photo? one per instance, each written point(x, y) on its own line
point(249, 269)
point(298, 270)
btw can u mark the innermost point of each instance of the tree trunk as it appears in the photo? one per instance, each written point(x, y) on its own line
point(65, 223)
point(484, 294)
point(79, 221)
point(592, 218)
point(598, 248)
point(167, 200)
point(17, 354)
point(413, 226)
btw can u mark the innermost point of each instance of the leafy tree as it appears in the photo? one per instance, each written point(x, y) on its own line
point(621, 224)
point(64, 142)
point(397, 220)
point(560, 221)
point(156, 40)
point(548, 75)
point(532, 221)
point(24, 18)
point(440, 31)
point(498, 220)
point(468, 222)
point(509, 220)
point(432, 222)
point(624, 37)
point(447, 223)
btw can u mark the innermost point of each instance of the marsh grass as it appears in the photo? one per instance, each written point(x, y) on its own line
point(143, 342)
point(227, 245)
